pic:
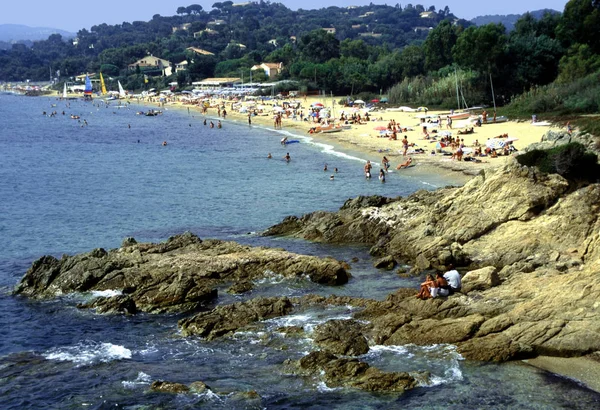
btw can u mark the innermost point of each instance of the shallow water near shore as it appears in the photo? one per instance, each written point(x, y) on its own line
point(67, 188)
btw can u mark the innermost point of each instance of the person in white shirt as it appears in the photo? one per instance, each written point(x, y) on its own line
point(453, 278)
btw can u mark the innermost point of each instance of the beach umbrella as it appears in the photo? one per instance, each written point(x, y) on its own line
point(358, 102)
point(374, 100)
point(317, 104)
point(384, 100)
point(380, 128)
point(495, 143)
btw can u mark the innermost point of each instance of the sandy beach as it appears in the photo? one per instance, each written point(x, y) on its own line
point(367, 139)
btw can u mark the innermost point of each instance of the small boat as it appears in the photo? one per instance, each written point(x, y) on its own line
point(460, 115)
point(75, 117)
point(87, 93)
point(333, 129)
point(122, 93)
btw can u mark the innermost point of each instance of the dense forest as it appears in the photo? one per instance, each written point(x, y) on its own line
point(411, 52)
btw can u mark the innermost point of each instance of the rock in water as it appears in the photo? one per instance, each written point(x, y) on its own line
point(178, 275)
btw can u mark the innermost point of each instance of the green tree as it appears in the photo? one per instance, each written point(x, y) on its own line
point(318, 46)
point(579, 25)
point(480, 48)
point(438, 46)
point(579, 62)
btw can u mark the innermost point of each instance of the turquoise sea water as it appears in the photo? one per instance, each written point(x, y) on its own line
point(66, 188)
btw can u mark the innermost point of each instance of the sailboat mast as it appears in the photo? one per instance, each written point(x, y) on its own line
point(493, 96)
point(457, 96)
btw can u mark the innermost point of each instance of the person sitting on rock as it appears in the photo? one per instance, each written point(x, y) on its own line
point(453, 278)
point(429, 288)
point(442, 283)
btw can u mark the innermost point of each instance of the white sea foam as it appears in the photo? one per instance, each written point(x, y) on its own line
point(141, 379)
point(106, 293)
point(88, 353)
point(322, 387)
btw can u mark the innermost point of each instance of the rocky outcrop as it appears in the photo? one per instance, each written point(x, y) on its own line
point(177, 275)
point(345, 372)
point(226, 319)
point(343, 337)
point(528, 242)
point(553, 138)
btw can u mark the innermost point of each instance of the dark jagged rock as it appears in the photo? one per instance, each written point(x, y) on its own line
point(178, 275)
point(343, 337)
point(338, 372)
point(114, 304)
point(387, 263)
point(227, 319)
point(241, 287)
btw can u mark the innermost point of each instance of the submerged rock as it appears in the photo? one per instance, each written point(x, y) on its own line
point(226, 319)
point(344, 337)
point(344, 372)
point(178, 275)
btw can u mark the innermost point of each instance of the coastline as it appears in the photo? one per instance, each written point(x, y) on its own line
point(584, 370)
point(366, 140)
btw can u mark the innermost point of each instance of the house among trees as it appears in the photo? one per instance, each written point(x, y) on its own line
point(207, 31)
point(151, 63)
point(183, 66)
point(330, 30)
point(427, 14)
point(270, 69)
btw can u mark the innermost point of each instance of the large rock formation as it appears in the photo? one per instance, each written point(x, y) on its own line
point(532, 240)
point(178, 275)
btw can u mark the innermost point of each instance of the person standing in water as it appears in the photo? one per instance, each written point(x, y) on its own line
point(382, 175)
point(368, 167)
point(287, 157)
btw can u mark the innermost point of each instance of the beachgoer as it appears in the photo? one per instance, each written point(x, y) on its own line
point(367, 168)
point(484, 117)
point(284, 140)
point(287, 157)
point(444, 287)
point(381, 175)
point(428, 288)
point(385, 162)
point(164, 143)
point(269, 155)
point(249, 119)
point(332, 177)
point(405, 164)
point(325, 167)
point(205, 121)
point(453, 278)
point(335, 169)
point(569, 128)
point(212, 124)
point(219, 124)
point(405, 145)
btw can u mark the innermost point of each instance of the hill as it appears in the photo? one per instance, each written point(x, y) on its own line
point(509, 20)
point(13, 33)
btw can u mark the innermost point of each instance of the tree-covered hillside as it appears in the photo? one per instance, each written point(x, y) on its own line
point(416, 53)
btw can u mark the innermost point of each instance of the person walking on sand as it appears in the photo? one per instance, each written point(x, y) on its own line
point(367, 168)
point(405, 145)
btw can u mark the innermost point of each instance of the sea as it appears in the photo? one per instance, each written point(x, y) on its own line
point(71, 185)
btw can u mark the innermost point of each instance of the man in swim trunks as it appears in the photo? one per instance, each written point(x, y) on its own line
point(368, 167)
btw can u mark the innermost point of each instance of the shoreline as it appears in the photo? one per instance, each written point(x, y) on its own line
point(364, 139)
point(584, 370)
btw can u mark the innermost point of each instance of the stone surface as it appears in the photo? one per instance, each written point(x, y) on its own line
point(178, 275)
point(344, 372)
point(342, 337)
point(480, 279)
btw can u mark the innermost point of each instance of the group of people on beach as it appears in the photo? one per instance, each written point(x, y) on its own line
point(444, 284)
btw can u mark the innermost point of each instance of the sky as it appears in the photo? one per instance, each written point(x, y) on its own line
point(73, 15)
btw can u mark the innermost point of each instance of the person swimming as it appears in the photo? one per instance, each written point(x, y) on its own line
point(287, 157)
point(164, 143)
point(325, 167)
point(269, 155)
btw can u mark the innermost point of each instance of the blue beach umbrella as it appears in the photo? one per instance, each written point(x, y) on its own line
point(494, 143)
